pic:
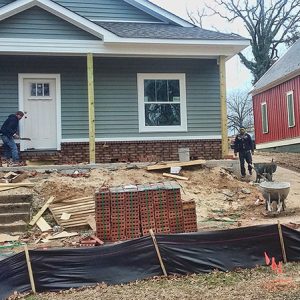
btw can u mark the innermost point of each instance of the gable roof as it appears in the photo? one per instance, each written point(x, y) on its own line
point(165, 31)
point(285, 68)
point(56, 9)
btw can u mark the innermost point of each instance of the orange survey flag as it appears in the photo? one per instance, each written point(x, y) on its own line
point(274, 265)
point(279, 268)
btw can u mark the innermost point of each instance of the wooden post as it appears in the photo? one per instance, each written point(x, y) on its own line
point(91, 98)
point(282, 242)
point(223, 106)
point(29, 269)
point(158, 252)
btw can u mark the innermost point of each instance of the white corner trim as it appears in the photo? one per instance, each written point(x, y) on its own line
point(141, 103)
point(159, 12)
point(280, 143)
point(142, 139)
point(58, 10)
point(21, 77)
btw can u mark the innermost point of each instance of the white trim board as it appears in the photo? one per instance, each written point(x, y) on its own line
point(278, 143)
point(146, 139)
point(21, 77)
point(80, 47)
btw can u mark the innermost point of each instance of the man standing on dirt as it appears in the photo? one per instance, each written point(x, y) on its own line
point(8, 133)
point(243, 145)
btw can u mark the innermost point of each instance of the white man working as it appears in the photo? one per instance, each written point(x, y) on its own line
point(9, 132)
point(243, 145)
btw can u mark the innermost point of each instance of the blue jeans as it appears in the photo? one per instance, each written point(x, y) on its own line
point(10, 149)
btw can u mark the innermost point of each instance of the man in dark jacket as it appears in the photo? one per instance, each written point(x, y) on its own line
point(8, 133)
point(243, 145)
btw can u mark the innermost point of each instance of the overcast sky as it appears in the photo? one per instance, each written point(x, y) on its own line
point(238, 77)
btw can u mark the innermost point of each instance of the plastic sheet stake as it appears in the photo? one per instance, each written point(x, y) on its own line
point(158, 252)
point(29, 269)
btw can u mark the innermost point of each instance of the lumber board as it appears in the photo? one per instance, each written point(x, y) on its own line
point(66, 207)
point(68, 199)
point(41, 211)
point(78, 217)
point(76, 213)
point(43, 225)
point(19, 184)
point(62, 235)
point(175, 176)
point(176, 164)
point(8, 188)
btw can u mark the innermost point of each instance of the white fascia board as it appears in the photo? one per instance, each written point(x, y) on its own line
point(158, 12)
point(75, 47)
point(59, 11)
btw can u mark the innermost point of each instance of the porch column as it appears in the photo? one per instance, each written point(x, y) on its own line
point(91, 99)
point(223, 106)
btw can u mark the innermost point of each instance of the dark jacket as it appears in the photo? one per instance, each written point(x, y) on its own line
point(243, 142)
point(10, 126)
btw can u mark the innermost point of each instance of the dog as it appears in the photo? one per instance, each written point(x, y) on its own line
point(265, 171)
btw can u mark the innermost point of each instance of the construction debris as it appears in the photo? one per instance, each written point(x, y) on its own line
point(8, 238)
point(176, 164)
point(41, 211)
point(175, 176)
point(78, 209)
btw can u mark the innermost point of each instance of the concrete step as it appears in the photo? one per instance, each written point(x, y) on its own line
point(6, 218)
point(13, 228)
point(15, 208)
point(21, 198)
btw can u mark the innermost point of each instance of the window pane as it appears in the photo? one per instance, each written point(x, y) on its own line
point(149, 91)
point(33, 89)
point(46, 89)
point(39, 89)
point(161, 90)
point(173, 90)
point(162, 115)
point(264, 118)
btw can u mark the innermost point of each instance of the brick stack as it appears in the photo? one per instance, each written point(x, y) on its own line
point(175, 207)
point(118, 214)
point(161, 208)
point(131, 211)
point(189, 216)
point(146, 208)
point(102, 213)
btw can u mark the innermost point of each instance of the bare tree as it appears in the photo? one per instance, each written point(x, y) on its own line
point(269, 24)
point(239, 110)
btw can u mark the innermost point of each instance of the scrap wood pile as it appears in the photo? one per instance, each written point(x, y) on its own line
point(131, 211)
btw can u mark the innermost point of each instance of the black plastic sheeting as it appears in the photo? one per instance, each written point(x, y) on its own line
point(59, 269)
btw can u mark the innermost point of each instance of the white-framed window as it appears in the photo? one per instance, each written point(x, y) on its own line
point(264, 118)
point(162, 102)
point(290, 108)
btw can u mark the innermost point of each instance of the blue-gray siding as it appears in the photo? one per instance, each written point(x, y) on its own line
point(116, 93)
point(37, 23)
point(107, 10)
point(114, 10)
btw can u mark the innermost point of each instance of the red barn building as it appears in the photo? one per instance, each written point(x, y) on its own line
point(276, 105)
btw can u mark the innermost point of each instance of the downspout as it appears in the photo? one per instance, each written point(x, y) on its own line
point(224, 130)
point(91, 101)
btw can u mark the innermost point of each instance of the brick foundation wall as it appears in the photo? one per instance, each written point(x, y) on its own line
point(146, 151)
point(140, 151)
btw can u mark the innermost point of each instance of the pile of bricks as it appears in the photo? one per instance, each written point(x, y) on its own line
point(131, 211)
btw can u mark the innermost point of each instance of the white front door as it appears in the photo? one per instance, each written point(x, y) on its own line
point(40, 107)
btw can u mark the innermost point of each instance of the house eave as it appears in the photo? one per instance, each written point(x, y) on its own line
point(276, 82)
point(19, 46)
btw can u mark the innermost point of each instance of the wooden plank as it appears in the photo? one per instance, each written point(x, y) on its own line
point(175, 176)
point(43, 225)
point(76, 213)
point(19, 178)
point(78, 205)
point(176, 164)
point(21, 184)
point(224, 131)
point(8, 188)
point(75, 219)
point(62, 235)
point(31, 278)
point(91, 103)
point(41, 211)
point(92, 222)
point(68, 199)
